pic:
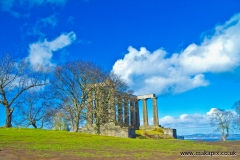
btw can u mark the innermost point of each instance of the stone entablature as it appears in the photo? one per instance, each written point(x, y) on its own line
point(146, 96)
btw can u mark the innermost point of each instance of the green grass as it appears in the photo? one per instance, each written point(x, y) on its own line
point(45, 143)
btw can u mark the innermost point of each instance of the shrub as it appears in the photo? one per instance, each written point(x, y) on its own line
point(160, 130)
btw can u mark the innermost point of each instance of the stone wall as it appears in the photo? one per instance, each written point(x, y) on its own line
point(110, 129)
point(170, 132)
point(167, 131)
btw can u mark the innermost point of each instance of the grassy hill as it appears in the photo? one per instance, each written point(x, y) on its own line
point(46, 143)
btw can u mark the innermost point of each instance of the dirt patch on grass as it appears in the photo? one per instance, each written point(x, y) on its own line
point(24, 154)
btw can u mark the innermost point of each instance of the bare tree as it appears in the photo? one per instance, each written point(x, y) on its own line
point(34, 109)
point(222, 121)
point(236, 106)
point(71, 87)
point(59, 121)
point(15, 79)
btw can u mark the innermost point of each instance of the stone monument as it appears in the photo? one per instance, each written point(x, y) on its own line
point(125, 119)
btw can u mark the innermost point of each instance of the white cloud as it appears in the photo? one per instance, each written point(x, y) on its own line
point(154, 72)
point(50, 20)
point(8, 5)
point(42, 23)
point(190, 123)
point(23, 81)
point(188, 120)
point(42, 52)
point(216, 111)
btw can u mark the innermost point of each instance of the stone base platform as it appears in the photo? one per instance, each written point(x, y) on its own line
point(110, 129)
point(168, 131)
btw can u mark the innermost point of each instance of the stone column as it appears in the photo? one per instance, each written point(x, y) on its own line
point(126, 112)
point(132, 114)
point(120, 118)
point(115, 109)
point(104, 105)
point(94, 104)
point(112, 111)
point(137, 118)
point(89, 109)
point(145, 114)
point(155, 112)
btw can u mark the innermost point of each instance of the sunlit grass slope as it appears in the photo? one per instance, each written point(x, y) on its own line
point(48, 143)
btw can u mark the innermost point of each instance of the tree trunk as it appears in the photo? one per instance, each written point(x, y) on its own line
point(34, 125)
point(75, 126)
point(224, 137)
point(98, 129)
point(9, 112)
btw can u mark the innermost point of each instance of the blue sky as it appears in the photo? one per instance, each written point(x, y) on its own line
point(186, 52)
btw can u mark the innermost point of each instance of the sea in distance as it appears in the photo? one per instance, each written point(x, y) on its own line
point(209, 137)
